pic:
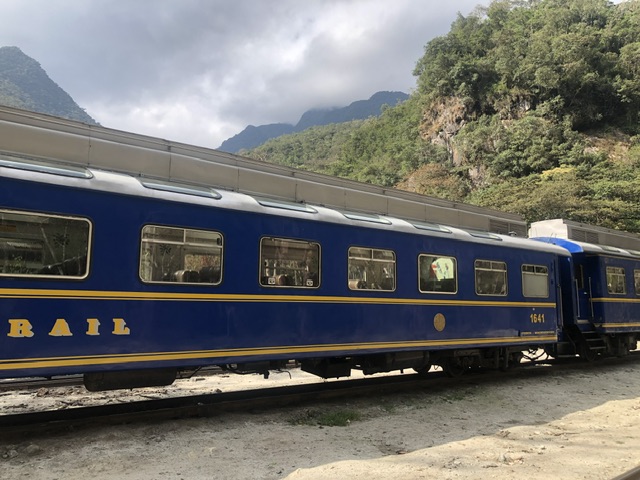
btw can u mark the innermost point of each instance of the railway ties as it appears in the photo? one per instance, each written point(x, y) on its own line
point(156, 410)
point(38, 423)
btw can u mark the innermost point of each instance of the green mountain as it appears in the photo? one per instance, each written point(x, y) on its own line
point(527, 106)
point(252, 136)
point(24, 84)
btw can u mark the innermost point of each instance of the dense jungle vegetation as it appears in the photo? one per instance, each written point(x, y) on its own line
point(528, 106)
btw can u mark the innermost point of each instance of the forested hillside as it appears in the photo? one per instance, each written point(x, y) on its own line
point(529, 106)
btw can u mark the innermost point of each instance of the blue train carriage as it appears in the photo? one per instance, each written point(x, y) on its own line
point(601, 298)
point(132, 281)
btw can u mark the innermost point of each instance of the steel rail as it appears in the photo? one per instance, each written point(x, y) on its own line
point(35, 424)
point(633, 474)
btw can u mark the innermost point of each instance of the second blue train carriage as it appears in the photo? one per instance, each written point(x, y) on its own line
point(601, 298)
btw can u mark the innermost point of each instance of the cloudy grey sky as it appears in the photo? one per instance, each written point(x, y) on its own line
point(199, 71)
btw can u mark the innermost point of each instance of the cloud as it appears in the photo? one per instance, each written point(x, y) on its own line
point(199, 71)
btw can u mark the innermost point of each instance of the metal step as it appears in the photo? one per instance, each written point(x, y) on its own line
point(588, 344)
point(594, 341)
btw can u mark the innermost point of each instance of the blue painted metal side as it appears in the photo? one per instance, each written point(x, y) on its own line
point(154, 325)
point(613, 312)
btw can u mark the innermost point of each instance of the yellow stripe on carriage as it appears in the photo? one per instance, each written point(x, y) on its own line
point(618, 325)
point(616, 300)
point(206, 297)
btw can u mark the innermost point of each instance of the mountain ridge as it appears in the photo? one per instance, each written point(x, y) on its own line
point(25, 84)
point(254, 136)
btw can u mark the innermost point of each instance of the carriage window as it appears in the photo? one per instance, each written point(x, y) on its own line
point(636, 281)
point(38, 245)
point(183, 255)
point(437, 274)
point(616, 281)
point(579, 276)
point(535, 281)
point(491, 277)
point(289, 263)
point(372, 269)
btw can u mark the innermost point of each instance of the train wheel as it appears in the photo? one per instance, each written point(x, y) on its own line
point(424, 370)
point(587, 353)
point(454, 368)
point(514, 361)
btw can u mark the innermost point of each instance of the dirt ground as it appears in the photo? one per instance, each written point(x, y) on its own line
point(584, 424)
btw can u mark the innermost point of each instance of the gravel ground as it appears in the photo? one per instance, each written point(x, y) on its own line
point(584, 424)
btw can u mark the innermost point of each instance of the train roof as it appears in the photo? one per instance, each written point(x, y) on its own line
point(73, 143)
point(578, 237)
point(573, 246)
point(585, 234)
point(125, 184)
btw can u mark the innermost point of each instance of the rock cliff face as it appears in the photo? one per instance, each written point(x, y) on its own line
point(24, 84)
point(443, 121)
point(253, 136)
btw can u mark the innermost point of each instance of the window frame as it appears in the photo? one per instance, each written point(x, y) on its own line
point(89, 246)
point(455, 274)
point(492, 263)
point(579, 276)
point(534, 273)
point(636, 280)
point(219, 247)
point(275, 283)
point(609, 272)
point(352, 284)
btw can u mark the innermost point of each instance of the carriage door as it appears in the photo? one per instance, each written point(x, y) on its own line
point(583, 291)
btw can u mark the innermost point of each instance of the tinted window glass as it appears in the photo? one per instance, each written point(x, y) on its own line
point(491, 277)
point(183, 255)
point(616, 281)
point(438, 274)
point(372, 269)
point(289, 263)
point(535, 281)
point(40, 245)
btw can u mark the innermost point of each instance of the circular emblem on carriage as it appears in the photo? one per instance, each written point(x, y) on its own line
point(439, 322)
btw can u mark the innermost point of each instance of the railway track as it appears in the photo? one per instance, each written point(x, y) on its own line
point(38, 423)
point(76, 380)
point(11, 384)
